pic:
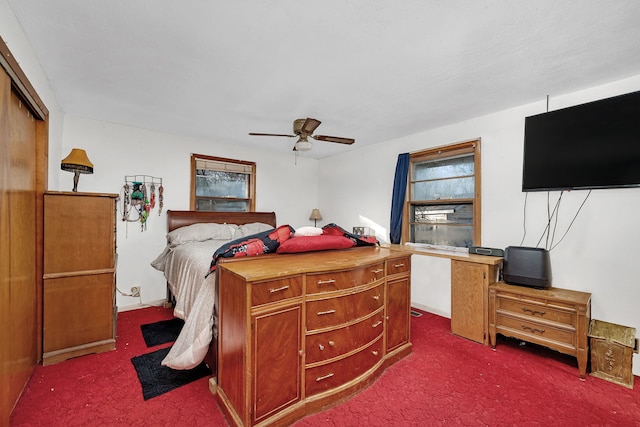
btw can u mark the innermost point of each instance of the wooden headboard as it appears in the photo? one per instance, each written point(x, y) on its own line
point(177, 219)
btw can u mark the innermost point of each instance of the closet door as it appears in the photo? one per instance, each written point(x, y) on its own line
point(23, 170)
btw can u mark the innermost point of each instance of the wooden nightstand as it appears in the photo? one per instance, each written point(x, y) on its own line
point(79, 274)
point(555, 318)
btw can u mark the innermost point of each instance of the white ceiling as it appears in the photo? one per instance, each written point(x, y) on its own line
point(373, 70)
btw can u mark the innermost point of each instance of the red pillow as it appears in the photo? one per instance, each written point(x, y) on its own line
point(314, 243)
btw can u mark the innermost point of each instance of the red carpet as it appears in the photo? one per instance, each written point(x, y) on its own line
point(446, 381)
point(103, 389)
point(449, 380)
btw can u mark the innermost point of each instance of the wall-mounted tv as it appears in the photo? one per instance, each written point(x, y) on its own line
point(589, 146)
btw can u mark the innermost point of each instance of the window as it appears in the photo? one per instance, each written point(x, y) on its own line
point(222, 185)
point(443, 203)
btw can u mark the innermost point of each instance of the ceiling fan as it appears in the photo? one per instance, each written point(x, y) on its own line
point(303, 129)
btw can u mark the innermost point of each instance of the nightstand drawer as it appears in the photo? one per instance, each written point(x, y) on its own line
point(537, 311)
point(535, 332)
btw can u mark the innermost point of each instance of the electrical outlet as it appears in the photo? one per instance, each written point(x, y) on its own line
point(135, 291)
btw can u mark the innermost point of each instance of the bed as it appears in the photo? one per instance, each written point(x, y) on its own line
point(192, 239)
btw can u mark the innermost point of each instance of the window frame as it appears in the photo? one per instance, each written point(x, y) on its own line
point(232, 162)
point(439, 153)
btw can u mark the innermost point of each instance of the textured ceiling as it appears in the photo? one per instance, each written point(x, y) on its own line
point(373, 70)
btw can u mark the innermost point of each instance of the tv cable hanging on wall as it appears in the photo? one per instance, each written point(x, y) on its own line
point(552, 216)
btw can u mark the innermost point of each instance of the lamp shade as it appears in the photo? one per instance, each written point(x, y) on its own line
point(315, 214)
point(76, 162)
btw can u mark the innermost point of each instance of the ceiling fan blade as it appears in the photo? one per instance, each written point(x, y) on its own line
point(309, 126)
point(337, 139)
point(271, 134)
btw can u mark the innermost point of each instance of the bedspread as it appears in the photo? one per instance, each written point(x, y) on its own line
point(185, 262)
point(185, 267)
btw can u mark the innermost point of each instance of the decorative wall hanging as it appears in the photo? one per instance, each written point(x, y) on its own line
point(139, 198)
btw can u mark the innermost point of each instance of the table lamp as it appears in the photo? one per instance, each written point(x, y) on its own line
point(76, 162)
point(315, 216)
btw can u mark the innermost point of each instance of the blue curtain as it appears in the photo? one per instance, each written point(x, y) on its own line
point(397, 199)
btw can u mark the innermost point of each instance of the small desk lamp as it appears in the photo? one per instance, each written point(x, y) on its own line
point(315, 216)
point(76, 162)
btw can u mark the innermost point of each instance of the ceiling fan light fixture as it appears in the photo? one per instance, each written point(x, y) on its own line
point(303, 129)
point(303, 145)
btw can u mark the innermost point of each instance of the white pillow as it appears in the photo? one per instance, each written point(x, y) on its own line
point(201, 232)
point(252, 228)
point(308, 231)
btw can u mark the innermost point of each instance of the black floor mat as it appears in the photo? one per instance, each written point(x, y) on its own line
point(157, 379)
point(161, 332)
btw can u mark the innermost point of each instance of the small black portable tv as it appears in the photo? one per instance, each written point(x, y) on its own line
point(526, 266)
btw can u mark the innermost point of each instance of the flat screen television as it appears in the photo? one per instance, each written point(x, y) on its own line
point(588, 146)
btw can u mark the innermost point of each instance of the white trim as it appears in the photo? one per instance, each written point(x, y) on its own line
point(156, 303)
point(431, 310)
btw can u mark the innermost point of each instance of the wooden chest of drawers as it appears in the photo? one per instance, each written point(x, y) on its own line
point(555, 318)
point(319, 327)
point(79, 313)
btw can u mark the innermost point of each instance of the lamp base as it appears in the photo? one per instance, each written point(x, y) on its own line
point(76, 178)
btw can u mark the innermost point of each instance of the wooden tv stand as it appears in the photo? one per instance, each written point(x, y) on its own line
point(554, 318)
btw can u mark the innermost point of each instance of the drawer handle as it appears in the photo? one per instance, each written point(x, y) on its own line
point(533, 330)
point(533, 312)
point(378, 323)
point(321, 347)
point(377, 271)
point(284, 288)
point(320, 313)
point(376, 297)
point(326, 282)
point(331, 343)
point(374, 352)
point(398, 265)
point(324, 377)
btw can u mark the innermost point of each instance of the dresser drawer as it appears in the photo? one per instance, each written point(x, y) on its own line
point(334, 281)
point(332, 375)
point(334, 343)
point(276, 290)
point(535, 332)
point(529, 308)
point(532, 298)
point(336, 311)
point(396, 266)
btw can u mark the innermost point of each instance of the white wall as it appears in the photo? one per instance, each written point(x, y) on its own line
point(288, 189)
point(598, 255)
point(19, 46)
